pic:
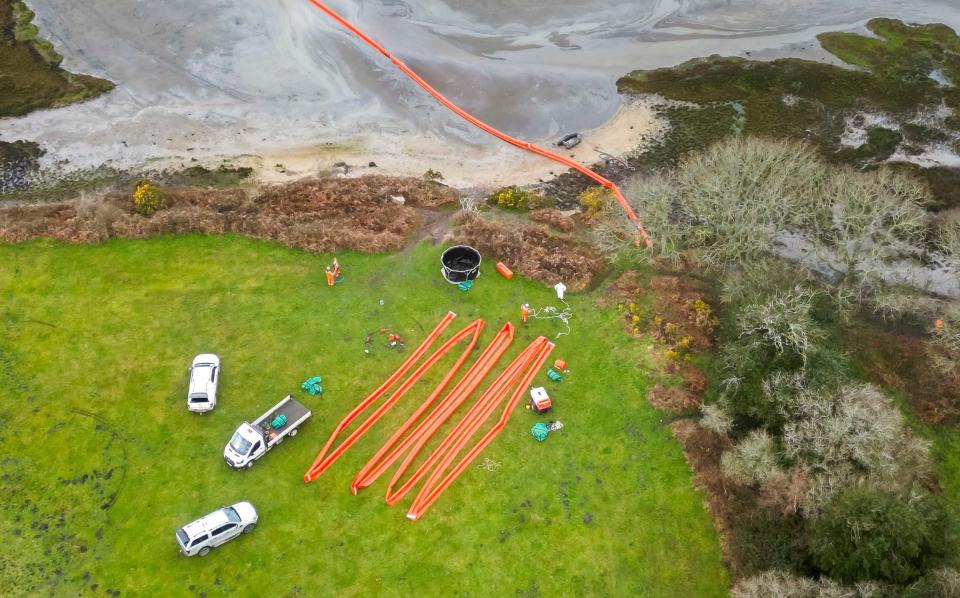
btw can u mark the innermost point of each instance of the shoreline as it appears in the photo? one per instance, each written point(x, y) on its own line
point(634, 127)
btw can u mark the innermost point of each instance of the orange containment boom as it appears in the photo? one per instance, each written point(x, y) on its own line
point(315, 469)
point(394, 448)
point(497, 388)
point(438, 481)
point(525, 145)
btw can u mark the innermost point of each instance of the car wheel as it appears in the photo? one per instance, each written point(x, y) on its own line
point(204, 551)
point(293, 432)
point(249, 528)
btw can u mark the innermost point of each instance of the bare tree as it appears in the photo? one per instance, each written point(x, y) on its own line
point(781, 584)
point(852, 436)
point(716, 418)
point(783, 322)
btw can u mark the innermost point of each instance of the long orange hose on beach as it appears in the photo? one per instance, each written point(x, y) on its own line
point(530, 147)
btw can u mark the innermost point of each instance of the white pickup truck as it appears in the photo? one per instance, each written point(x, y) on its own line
point(252, 441)
point(216, 528)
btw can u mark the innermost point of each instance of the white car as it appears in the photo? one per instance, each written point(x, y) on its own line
point(217, 528)
point(204, 376)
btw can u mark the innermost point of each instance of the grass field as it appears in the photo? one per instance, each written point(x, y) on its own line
point(101, 460)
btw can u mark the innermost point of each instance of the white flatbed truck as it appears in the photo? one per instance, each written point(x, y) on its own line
point(252, 440)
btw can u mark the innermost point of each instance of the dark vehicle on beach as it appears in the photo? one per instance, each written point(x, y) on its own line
point(570, 140)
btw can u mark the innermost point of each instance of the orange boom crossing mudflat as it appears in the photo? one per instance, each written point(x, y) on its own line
point(525, 145)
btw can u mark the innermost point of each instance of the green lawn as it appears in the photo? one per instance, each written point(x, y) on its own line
point(100, 460)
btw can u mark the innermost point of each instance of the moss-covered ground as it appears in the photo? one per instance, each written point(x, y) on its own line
point(101, 460)
point(30, 73)
point(904, 72)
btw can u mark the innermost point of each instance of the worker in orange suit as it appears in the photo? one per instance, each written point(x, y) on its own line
point(336, 269)
point(330, 278)
point(524, 312)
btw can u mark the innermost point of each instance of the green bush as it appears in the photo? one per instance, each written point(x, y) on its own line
point(434, 176)
point(515, 198)
point(147, 198)
point(870, 534)
point(753, 460)
point(594, 199)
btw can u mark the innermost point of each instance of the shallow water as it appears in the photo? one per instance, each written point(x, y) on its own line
point(198, 78)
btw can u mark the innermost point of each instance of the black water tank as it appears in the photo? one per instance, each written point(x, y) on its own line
point(460, 263)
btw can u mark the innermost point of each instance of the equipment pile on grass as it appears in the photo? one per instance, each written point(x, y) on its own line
point(323, 215)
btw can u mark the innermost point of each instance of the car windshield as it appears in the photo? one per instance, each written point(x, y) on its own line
point(240, 444)
point(232, 515)
point(198, 398)
point(182, 536)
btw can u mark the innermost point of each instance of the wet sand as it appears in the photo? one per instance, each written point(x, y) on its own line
point(203, 80)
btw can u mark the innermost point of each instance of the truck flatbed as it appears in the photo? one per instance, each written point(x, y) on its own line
point(294, 410)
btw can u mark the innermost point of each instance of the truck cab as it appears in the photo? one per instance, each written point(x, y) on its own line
point(214, 529)
point(246, 446)
point(204, 380)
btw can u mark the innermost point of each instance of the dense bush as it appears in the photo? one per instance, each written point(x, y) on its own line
point(781, 584)
point(147, 198)
point(948, 243)
point(765, 539)
point(594, 199)
point(871, 534)
point(943, 582)
point(716, 418)
point(781, 323)
point(515, 198)
point(753, 460)
point(947, 329)
point(852, 436)
point(746, 198)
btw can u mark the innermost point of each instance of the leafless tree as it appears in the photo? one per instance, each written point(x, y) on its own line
point(783, 322)
point(781, 584)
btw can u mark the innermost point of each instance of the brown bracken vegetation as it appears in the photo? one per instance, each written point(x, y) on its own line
point(533, 251)
point(323, 215)
point(906, 362)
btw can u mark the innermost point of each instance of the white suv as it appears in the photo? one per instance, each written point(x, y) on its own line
point(217, 528)
point(204, 376)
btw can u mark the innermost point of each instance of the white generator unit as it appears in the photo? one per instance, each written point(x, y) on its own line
point(539, 400)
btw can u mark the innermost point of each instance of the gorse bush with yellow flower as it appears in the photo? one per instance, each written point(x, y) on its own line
point(147, 198)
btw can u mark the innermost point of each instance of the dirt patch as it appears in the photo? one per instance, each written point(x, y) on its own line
point(673, 399)
point(362, 214)
point(533, 251)
point(554, 218)
point(909, 364)
point(621, 291)
point(702, 450)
